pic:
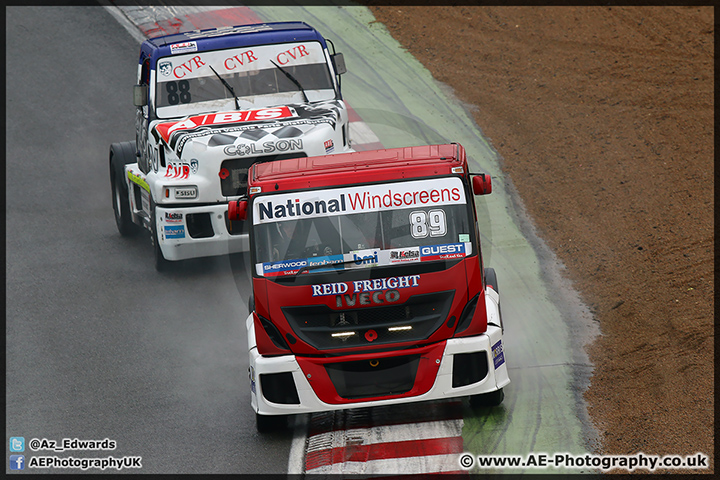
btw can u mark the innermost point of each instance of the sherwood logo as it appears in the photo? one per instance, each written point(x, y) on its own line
point(286, 265)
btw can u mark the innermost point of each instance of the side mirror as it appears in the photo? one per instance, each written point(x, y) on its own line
point(237, 210)
point(140, 95)
point(482, 185)
point(338, 63)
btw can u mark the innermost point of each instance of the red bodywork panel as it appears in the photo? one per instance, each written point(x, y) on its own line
point(362, 167)
point(464, 278)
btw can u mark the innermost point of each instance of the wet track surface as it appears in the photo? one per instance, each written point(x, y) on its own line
point(100, 345)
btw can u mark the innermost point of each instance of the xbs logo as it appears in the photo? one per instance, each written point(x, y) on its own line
point(17, 444)
point(17, 462)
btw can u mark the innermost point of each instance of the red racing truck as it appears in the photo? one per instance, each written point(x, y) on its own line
point(368, 283)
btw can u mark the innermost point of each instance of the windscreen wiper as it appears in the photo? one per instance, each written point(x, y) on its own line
point(227, 85)
point(292, 79)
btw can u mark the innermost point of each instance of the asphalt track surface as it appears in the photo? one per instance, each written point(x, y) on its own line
point(100, 345)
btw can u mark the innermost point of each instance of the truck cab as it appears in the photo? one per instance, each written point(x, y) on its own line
point(368, 283)
point(209, 103)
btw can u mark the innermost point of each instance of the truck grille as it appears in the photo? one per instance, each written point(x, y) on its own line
point(414, 320)
point(235, 172)
point(376, 378)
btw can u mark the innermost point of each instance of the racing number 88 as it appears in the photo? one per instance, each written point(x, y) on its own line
point(432, 222)
point(178, 92)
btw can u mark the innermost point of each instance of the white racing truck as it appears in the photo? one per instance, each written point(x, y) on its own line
point(210, 103)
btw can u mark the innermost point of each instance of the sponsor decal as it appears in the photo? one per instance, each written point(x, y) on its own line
point(497, 353)
point(165, 68)
point(464, 237)
point(252, 379)
point(374, 285)
point(367, 298)
point(188, 58)
point(365, 257)
point(184, 47)
point(181, 71)
point(369, 198)
point(442, 252)
point(272, 210)
point(145, 199)
point(165, 129)
point(328, 260)
point(288, 267)
point(267, 147)
point(329, 146)
point(175, 231)
point(177, 170)
point(152, 157)
point(298, 51)
point(323, 114)
point(185, 192)
point(404, 255)
point(371, 335)
point(194, 167)
point(242, 58)
point(137, 179)
point(377, 291)
point(173, 217)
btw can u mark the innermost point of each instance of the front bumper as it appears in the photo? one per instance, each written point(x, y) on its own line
point(438, 358)
point(198, 231)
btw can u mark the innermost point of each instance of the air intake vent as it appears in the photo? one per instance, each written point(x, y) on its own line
point(416, 319)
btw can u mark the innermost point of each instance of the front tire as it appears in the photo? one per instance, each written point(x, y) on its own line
point(491, 279)
point(492, 282)
point(161, 263)
point(270, 423)
point(122, 154)
point(490, 399)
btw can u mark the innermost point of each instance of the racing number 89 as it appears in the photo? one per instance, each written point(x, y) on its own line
point(424, 223)
point(178, 92)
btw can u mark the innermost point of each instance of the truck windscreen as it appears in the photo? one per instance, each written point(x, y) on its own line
point(360, 227)
point(187, 85)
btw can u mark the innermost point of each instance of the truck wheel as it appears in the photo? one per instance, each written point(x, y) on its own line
point(121, 154)
point(491, 279)
point(161, 263)
point(491, 399)
point(270, 423)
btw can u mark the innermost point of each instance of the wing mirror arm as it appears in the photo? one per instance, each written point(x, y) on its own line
point(237, 210)
point(481, 183)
